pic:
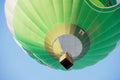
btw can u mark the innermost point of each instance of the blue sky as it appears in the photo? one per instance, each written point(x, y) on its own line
point(16, 65)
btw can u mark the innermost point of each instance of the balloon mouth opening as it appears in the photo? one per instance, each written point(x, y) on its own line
point(67, 43)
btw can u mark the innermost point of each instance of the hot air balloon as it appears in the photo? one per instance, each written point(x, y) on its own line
point(65, 34)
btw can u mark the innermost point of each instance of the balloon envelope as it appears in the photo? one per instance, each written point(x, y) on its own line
point(46, 29)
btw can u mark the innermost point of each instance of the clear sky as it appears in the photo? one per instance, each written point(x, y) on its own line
point(16, 65)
